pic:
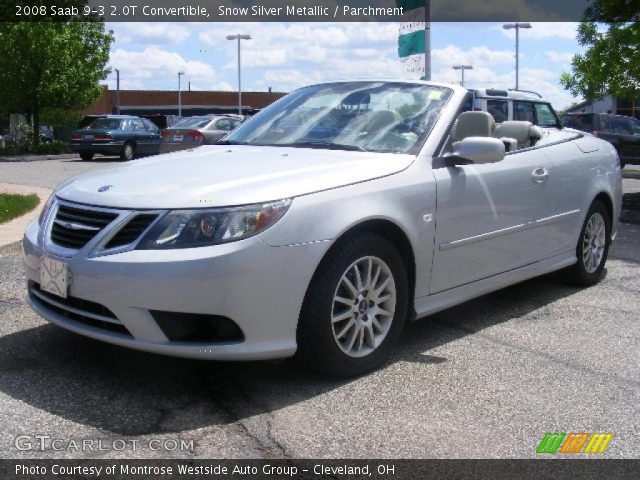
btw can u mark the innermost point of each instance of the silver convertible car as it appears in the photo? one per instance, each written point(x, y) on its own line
point(320, 226)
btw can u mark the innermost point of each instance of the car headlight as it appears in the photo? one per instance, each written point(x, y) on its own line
point(45, 209)
point(205, 227)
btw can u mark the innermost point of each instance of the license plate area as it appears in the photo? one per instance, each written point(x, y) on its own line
point(89, 137)
point(177, 138)
point(54, 277)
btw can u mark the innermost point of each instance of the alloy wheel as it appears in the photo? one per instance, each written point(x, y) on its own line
point(363, 306)
point(594, 243)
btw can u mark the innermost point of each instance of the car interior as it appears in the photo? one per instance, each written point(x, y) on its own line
point(515, 134)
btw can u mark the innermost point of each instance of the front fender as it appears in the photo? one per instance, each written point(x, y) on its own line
point(406, 199)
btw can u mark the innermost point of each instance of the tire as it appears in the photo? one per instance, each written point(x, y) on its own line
point(324, 343)
point(589, 269)
point(86, 156)
point(128, 151)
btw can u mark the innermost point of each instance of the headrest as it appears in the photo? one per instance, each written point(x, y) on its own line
point(474, 124)
point(519, 130)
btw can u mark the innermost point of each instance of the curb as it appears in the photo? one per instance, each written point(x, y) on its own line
point(39, 158)
point(13, 230)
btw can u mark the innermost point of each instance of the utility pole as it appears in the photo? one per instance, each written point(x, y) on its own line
point(517, 27)
point(427, 40)
point(118, 91)
point(239, 37)
point(179, 95)
point(462, 68)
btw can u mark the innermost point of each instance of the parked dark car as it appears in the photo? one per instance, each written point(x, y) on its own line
point(202, 130)
point(123, 135)
point(622, 132)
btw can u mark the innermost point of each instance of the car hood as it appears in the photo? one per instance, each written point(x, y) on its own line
point(220, 175)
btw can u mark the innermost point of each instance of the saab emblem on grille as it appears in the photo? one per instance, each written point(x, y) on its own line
point(105, 188)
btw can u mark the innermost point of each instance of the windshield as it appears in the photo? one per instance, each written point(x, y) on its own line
point(193, 122)
point(106, 124)
point(366, 116)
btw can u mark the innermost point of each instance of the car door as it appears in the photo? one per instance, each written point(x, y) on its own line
point(217, 129)
point(490, 218)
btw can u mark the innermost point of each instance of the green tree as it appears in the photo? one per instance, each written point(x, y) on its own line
point(52, 66)
point(611, 62)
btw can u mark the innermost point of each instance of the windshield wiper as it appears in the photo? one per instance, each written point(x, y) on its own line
point(323, 144)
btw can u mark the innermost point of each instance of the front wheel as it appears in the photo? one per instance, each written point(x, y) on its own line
point(355, 307)
point(593, 247)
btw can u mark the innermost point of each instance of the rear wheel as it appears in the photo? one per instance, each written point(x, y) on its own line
point(128, 151)
point(86, 156)
point(593, 247)
point(355, 307)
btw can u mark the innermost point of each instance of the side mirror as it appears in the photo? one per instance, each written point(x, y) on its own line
point(479, 150)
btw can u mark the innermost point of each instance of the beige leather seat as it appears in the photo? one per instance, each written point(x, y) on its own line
point(525, 134)
point(473, 124)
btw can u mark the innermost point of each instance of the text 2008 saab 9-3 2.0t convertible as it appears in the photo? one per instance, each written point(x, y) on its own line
point(320, 226)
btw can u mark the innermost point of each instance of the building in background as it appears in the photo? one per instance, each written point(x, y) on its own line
point(609, 104)
point(165, 102)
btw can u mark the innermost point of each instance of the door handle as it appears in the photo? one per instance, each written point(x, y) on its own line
point(540, 175)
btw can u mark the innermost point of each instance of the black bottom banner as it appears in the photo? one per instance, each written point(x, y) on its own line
point(319, 469)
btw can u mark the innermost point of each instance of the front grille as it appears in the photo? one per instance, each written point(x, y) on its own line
point(74, 227)
point(132, 230)
point(79, 310)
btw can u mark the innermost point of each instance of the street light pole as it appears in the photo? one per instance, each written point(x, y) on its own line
point(239, 37)
point(462, 68)
point(118, 91)
point(517, 27)
point(180, 95)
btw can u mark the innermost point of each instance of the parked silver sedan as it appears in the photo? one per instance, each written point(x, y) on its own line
point(195, 131)
point(321, 226)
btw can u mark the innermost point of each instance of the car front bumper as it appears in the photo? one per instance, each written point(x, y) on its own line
point(259, 287)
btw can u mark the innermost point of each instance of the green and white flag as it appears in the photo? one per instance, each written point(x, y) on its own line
point(411, 36)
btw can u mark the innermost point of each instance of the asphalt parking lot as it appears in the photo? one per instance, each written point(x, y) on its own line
point(486, 379)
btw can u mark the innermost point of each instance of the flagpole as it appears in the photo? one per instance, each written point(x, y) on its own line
point(427, 40)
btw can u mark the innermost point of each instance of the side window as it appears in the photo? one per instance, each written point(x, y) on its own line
point(579, 122)
point(545, 115)
point(467, 104)
point(619, 125)
point(150, 125)
point(499, 109)
point(525, 112)
point(138, 126)
point(623, 125)
point(224, 124)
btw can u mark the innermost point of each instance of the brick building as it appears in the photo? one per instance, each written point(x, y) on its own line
point(147, 102)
